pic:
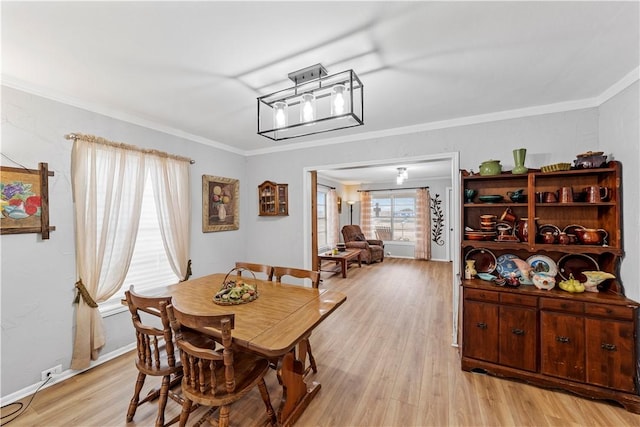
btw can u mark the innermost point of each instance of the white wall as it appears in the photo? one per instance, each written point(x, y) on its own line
point(38, 276)
point(619, 127)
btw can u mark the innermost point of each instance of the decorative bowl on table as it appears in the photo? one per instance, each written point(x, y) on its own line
point(236, 290)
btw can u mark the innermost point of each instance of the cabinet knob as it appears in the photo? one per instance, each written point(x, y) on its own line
point(481, 325)
point(517, 331)
point(563, 340)
point(609, 347)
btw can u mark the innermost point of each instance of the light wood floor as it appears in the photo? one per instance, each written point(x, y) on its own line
point(384, 359)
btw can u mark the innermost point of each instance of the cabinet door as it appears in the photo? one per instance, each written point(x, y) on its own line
point(610, 354)
point(518, 335)
point(480, 331)
point(562, 345)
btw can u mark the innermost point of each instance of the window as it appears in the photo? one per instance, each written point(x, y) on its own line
point(396, 211)
point(149, 266)
point(322, 219)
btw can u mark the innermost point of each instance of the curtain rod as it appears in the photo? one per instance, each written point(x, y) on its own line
point(393, 189)
point(99, 140)
point(326, 186)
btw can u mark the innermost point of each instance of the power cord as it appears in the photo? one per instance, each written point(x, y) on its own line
point(21, 408)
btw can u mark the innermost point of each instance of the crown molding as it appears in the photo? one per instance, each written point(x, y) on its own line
point(115, 114)
point(580, 104)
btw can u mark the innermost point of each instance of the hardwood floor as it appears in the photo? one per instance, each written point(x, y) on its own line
point(384, 359)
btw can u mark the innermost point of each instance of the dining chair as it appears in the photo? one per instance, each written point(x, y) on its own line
point(304, 348)
point(155, 354)
point(215, 377)
point(267, 270)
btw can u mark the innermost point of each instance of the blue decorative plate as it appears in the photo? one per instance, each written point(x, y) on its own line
point(505, 265)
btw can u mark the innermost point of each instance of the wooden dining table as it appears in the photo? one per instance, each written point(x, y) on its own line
point(273, 325)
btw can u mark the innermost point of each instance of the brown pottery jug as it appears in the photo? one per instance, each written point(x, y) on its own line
point(591, 236)
point(596, 194)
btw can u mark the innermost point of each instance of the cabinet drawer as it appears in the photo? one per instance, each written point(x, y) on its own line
point(561, 305)
point(517, 299)
point(609, 311)
point(481, 295)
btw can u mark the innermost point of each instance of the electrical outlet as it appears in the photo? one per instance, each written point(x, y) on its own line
point(56, 370)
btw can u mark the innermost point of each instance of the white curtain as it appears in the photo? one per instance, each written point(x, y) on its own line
point(333, 220)
point(107, 187)
point(423, 224)
point(365, 215)
point(171, 186)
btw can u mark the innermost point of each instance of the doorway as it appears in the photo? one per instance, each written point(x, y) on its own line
point(310, 224)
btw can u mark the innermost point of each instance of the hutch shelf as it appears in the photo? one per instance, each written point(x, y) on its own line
point(273, 199)
point(585, 343)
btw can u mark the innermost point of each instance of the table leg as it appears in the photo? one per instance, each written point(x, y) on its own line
point(344, 263)
point(296, 395)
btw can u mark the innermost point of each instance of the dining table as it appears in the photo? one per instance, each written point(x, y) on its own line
point(273, 325)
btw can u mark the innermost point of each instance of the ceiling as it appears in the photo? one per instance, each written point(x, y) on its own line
point(195, 69)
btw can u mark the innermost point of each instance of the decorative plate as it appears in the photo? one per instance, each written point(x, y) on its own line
point(484, 258)
point(575, 264)
point(549, 228)
point(506, 266)
point(543, 264)
point(492, 198)
point(486, 276)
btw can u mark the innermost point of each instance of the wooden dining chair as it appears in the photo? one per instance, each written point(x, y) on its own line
point(304, 348)
point(267, 270)
point(215, 377)
point(155, 354)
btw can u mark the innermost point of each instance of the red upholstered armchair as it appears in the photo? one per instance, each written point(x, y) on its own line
point(370, 250)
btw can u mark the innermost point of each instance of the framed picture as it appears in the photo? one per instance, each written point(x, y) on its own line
point(220, 204)
point(24, 200)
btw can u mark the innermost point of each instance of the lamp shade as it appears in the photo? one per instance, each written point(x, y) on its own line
point(316, 103)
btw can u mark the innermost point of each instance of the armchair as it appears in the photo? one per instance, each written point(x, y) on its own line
point(370, 250)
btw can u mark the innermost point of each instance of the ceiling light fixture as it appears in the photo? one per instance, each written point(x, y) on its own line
point(402, 176)
point(316, 103)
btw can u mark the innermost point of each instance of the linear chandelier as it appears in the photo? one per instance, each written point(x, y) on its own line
point(316, 103)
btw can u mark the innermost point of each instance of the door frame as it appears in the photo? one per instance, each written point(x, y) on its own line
point(309, 232)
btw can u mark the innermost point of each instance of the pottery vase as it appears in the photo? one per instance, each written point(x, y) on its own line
point(222, 212)
point(594, 278)
point(519, 155)
point(470, 269)
point(490, 167)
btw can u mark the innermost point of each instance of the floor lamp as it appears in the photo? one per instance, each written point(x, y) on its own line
point(351, 203)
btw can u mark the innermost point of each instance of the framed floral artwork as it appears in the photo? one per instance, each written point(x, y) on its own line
point(220, 204)
point(24, 200)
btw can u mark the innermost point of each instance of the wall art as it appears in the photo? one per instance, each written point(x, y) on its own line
point(24, 200)
point(220, 204)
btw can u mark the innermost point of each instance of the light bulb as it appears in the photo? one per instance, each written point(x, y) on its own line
point(307, 107)
point(338, 100)
point(279, 114)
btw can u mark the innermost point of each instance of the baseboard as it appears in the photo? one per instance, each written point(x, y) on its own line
point(29, 390)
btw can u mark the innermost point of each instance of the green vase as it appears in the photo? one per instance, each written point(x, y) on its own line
point(490, 167)
point(519, 155)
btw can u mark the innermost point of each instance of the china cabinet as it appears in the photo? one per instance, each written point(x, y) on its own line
point(585, 343)
point(273, 199)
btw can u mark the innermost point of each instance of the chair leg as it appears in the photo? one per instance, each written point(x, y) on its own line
point(133, 405)
point(262, 386)
point(162, 402)
point(223, 416)
point(186, 410)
